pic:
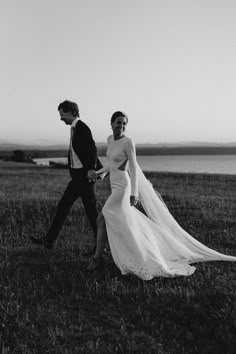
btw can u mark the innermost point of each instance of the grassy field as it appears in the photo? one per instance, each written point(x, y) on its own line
point(49, 304)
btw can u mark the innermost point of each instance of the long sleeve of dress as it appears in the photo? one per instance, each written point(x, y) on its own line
point(131, 154)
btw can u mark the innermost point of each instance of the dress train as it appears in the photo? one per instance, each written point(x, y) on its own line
point(154, 245)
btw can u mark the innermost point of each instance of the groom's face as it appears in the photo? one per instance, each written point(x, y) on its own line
point(66, 117)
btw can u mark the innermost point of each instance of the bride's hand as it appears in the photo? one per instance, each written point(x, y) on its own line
point(133, 200)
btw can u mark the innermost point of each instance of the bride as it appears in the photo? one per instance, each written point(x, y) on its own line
point(151, 245)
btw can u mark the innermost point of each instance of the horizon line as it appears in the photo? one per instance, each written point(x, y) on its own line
point(160, 144)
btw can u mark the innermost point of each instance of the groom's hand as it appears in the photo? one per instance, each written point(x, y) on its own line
point(91, 176)
point(133, 200)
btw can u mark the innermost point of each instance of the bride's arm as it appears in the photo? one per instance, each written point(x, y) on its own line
point(131, 154)
point(104, 170)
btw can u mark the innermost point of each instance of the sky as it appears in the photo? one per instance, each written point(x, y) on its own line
point(168, 64)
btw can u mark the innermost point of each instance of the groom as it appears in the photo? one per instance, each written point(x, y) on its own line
point(82, 163)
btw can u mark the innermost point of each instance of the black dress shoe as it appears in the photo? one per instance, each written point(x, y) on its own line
point(95, 264)
point(42, 241)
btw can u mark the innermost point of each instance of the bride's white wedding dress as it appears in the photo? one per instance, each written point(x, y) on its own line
point(146, 246)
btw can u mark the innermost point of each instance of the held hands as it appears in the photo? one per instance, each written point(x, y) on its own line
point(91, 176)
point(134, 200)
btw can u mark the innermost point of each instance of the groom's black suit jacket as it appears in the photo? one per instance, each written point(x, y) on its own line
point(85, 148)
point(79, 186)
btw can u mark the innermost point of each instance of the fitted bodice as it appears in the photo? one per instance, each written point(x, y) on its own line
point(116, 152)
point(119, 151)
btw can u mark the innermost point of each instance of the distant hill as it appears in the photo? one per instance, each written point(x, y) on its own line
point(12, 146)
point(60, 150)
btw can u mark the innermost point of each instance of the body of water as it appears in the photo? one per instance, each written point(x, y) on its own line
point(219, 164)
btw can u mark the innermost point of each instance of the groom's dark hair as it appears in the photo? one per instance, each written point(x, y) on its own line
point(118, 114)
point(68, 106)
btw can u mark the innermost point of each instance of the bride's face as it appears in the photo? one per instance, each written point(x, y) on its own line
point(118, 127)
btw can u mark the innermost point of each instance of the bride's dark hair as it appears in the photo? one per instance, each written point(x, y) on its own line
point(118, 114)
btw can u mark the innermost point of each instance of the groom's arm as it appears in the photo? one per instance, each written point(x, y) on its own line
point(84, 146)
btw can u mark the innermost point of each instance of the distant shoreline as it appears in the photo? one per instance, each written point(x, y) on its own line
point(141, 151)
point(223, 164)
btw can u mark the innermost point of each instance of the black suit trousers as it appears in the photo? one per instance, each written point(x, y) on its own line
point(78, 187)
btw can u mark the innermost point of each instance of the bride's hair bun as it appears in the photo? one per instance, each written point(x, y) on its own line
point(118, 114)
